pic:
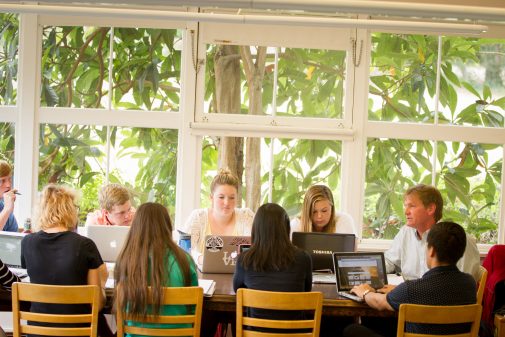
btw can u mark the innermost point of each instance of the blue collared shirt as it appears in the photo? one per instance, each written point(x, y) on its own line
point(11, 225)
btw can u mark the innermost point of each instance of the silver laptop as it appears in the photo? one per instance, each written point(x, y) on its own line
point(10, 248)
point(108, 239)
point(220, 253)
point(357, 268)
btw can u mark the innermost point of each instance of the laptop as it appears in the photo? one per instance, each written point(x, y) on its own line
point(108, 239)
point(10, 248)
point(220, 253)
point(358, 268)
point(320, 247)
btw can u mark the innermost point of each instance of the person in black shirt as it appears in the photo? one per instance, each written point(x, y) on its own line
point(442, 284)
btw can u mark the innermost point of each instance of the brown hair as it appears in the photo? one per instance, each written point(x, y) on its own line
point(428, 195)
point(5, 169)
point(113, 194)
point(143, 261)
point(57, 207)
point(314, 194)
point(224, 177)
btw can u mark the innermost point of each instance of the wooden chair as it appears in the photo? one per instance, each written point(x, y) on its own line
point(248, 298)
point(171, 296)
point(482, 284)
point(86, 294)
point(433, 314)
point(499, 325)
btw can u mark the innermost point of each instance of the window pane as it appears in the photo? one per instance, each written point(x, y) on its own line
point(140, 158)
point(472, 85)
point(310, 82)
point(392, 166)
point(9, 39)
point(470, 183)
point(7, 142)
point(469, 180)
point(402, 78)
point(75, 67)
point(297, 164)
point(147, 69)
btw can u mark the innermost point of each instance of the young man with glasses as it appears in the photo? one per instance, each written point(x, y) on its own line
point(7, 199)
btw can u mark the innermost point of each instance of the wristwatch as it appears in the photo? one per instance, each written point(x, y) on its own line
point(364, 294)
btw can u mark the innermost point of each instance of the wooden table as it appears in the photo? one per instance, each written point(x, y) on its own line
point(333, 305)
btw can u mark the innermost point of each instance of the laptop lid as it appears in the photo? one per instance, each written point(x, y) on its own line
point(10, 248)
point(357, 268)
point(321, 246)
point(108, 239)
point(220, 253)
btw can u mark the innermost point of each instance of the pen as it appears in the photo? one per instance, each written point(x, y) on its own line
point(17, 193)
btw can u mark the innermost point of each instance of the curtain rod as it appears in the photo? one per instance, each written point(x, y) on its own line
point(372, 7)
point(432, 27)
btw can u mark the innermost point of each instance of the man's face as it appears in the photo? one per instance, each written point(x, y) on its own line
point(120, 215)
point(416, 214)
point(5, 185)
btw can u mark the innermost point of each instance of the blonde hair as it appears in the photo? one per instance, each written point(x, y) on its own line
point(314, 194)
point(5, 169)
point(57, 207)
point(224, 177)
point(113, 194)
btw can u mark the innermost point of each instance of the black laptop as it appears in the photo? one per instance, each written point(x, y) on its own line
point(321, 246)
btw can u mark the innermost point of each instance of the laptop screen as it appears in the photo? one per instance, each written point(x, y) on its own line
point(320, 246)
point(358, 268)
point(10, 248)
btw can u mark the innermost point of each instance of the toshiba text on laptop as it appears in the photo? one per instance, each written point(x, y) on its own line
point(353, 269)
point(220, 253)
point(321, 246)
point(108, 239)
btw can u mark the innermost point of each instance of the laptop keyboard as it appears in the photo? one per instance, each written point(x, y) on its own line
point(351, 296)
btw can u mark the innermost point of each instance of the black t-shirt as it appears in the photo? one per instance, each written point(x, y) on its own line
point(62, 258)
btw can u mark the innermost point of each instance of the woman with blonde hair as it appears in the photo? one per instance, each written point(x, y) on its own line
point(57, 255)
point(150, 258)
point(222, 218)
point(319, 215)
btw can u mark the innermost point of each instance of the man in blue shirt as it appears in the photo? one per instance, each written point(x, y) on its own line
point(7, 199)
point(442, 284)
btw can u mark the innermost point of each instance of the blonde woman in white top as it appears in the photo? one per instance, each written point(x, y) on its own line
point(319, 215)
point(222, 218)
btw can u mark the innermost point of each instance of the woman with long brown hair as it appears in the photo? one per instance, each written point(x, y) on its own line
point(319, 215)
point(150, 258)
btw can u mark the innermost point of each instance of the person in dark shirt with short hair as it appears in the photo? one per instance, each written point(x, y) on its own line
point(442, 284)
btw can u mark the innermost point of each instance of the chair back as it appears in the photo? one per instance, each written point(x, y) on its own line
point(55, 294)
point(482, 284)
point(248, 298)
point(191, 296)
point(434, 314)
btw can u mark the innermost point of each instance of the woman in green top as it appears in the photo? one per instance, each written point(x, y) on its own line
point(150, 257)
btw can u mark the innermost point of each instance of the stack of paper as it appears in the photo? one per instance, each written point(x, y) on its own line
point(208, 287)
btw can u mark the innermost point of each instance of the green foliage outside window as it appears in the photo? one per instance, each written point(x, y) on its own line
point(9, 40)
point(402, 89)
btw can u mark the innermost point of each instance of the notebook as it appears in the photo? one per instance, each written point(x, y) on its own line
point(321, 246)
point(220, 253)
point(108, 239)
point(10, 248)
point(357, 268)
